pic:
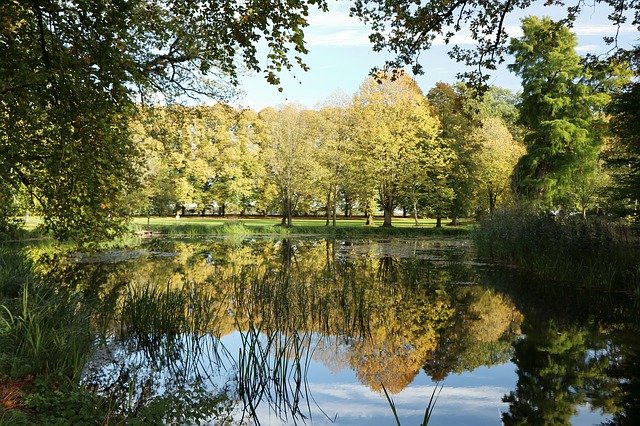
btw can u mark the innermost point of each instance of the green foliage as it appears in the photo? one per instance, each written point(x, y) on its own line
point(585, 253)
point(555, 375)
point(395, 150)
point(562, 106)
point(9, 223)
point(624, 155)
point(62, 407)
point(194, 405)
point(70, 71)
point(46, 333)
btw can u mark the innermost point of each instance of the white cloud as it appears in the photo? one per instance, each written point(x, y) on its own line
point(588, 48)
point(346, 37)
point(602, 30)
point(354, 398)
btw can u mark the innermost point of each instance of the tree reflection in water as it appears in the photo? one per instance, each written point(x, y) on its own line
point(385, 309)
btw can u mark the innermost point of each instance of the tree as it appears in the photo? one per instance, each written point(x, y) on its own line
point(562, 106)
point(458, 121)
point(69, 73)
point(495, 161)
point(555, 371)
point(288, 148)
point(395, 133)
point(407, 28)
point(333, 153)
point(624, 158)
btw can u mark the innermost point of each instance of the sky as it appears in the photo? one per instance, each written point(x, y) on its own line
point(340, 56)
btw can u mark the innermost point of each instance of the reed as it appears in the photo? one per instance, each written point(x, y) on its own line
point(45, 334)
point(594, 253)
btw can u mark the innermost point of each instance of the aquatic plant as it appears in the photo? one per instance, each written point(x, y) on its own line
point(566, 250)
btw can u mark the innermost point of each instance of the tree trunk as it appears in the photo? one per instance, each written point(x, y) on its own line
point(347, 206)
point(492, 203)
point(335, 205)
point(369, 217)
point(415, 212)
point(438, 221)
point(388, 212)
point(328, 208)
point(289, 213)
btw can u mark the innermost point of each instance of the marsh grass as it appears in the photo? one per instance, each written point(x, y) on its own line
point(431, 405)
point(595, 253)
point(45, 334)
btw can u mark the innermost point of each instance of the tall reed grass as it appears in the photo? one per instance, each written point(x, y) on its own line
point(594, 253)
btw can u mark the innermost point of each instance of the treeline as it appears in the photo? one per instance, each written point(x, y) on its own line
point(567, 143)
point(443, 154)
point(446, 154)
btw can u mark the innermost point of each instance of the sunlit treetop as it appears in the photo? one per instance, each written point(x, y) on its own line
point(409, 27)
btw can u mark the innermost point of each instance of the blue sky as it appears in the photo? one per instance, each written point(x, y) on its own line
point(340, 56)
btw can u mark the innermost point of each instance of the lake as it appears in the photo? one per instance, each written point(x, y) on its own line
point(351, 332)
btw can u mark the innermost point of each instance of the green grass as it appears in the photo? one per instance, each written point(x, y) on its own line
point(305, 226)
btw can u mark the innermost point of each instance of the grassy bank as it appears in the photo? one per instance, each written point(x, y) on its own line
point(45, 340)
point(595, 253)
point(194, 226)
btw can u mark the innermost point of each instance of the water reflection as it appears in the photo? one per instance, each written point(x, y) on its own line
point(210, 330)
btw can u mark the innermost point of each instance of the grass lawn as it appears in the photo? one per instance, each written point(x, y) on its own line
point(193, 225)
point(235, 225)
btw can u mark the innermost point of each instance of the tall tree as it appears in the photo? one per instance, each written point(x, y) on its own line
point(333, 137)
point(395, 128)
point(69, 71)
point(458, 121)
point(562, 105)
point(288, 148)
point(495, 160)
point(624, 157)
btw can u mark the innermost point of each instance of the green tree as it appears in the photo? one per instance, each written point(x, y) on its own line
point(333, 154)
point(562, 105)
point(624, 155)
point(555, 375)
point(70, 71)
point(458, 121)
point(495, 160)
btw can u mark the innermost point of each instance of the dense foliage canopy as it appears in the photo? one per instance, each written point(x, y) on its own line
point(69, 72)
point(72, 72)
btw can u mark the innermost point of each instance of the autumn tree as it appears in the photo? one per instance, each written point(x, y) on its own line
point(288, 147)
point(333, 154)
point(458, 121)
point(495, 160)
point(395, 134)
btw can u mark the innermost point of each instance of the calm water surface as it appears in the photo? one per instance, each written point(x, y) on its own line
point(346, 332)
